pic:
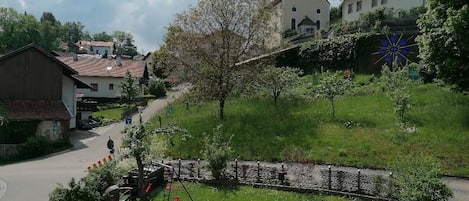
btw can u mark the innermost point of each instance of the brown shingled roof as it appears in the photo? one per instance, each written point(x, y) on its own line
point(91, 65)
point(36, 110)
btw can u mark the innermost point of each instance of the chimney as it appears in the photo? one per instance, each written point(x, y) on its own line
point(75, 56)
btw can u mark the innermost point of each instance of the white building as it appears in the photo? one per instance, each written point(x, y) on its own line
point(96, 47)
point(353, 9)
point(294, 12)
point(103, 75)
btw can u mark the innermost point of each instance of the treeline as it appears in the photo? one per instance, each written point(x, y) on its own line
point(19, 29)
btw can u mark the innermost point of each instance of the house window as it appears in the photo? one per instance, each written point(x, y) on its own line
point(293, 24)
point(105, 52)
point(97, 51)
point(374, 3)
point(318, 11)
point(318, 23)
point(350, 8)
point(384, 2)
point(359, 6)
point(94, 87)
point(293, 9)
point(111, 87)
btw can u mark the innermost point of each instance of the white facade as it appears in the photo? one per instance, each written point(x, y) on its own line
point(107, 87)
point(353, 9)
point(294, 11)
point(69, 98)
point(101, 50)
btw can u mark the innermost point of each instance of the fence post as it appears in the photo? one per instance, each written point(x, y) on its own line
point(329, 184)
point(358, 181)
point(258, 172)
point(198, 168)
point(179, 169)
point(236, 168)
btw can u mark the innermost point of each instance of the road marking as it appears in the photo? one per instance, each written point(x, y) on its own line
point(3, 188)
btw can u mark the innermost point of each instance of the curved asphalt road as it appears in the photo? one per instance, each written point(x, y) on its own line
point(35, 179)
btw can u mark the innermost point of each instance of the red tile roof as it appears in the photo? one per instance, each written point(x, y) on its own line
point(92, 65)
point(36, 110)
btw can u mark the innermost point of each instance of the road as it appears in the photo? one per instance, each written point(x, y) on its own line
point(35, 179)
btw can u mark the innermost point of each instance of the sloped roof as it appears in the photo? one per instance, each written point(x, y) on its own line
point(306, 21)
point(36, 110)
point(67, 70)
point(95, 66)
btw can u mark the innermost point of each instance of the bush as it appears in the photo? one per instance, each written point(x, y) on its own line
point(157, 88)
point(90, 187)
point(33, 147)
point(217, 152)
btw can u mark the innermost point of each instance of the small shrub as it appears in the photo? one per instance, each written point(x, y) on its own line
point(157, 88)
point(217, 152)
point(33, 147)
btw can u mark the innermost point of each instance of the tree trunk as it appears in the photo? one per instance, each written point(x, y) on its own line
point(221, 109)
point(141, 188)
point(333, 108)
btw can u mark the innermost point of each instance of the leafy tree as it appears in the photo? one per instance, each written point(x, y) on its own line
point(331, 86)
point(396, 82)
point(135, 139)
point(128, 87)
point(279, 80)
point(416, 178)
point(336, 14)
point(50, 31)
point(103, 36)
point(217, 152)
point(157, 88)
point(443, 44)
point(18, 29)
point(73, 31)
point(124, 43)
point(163, 62)
point(216, 35)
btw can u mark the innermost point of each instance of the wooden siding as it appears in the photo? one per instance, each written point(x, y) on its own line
point(30, 75)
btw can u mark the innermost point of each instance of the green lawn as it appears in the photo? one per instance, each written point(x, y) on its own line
point(235, 193)
point(365, 133)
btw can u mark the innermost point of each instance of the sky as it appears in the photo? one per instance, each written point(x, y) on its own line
point(145, 19)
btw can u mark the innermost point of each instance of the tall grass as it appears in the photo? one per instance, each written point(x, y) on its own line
point(365, 133)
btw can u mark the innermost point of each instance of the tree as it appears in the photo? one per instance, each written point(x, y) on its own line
point(18, 29)
point(49, 28)
point(417, 178)
point(443, 44)
point(103, 36)
point(336, 14)
point(331, 86)
point(396, 82)
point(157, 88)
point(128, 87)
point(279, 80)
point(135, 139)
point(217, 152)
point(125, 43)
point(163, 63)
point(216, 35)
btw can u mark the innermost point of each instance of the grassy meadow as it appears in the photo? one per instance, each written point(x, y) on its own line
point(366, 132)
point(238, 193)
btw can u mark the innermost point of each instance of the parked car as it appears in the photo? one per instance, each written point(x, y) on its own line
point(87, 124)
